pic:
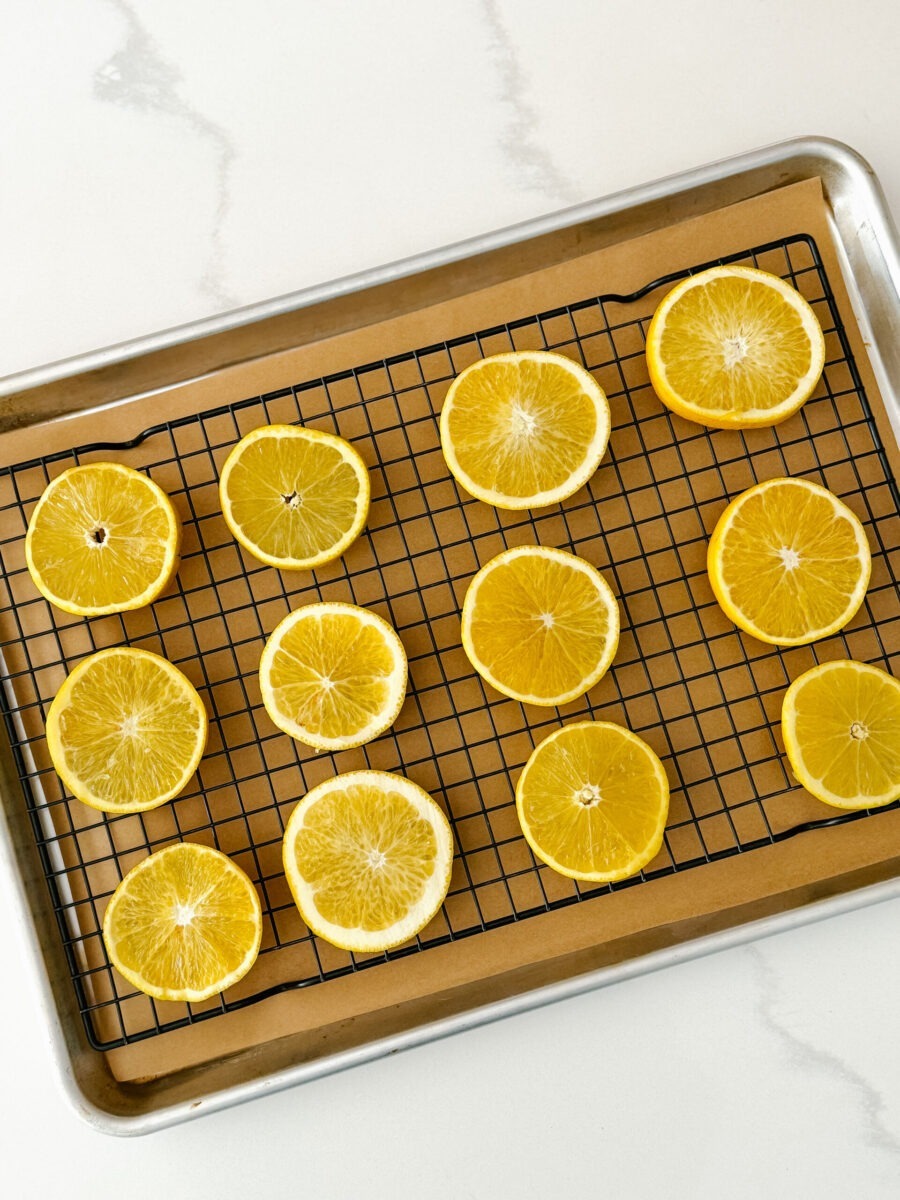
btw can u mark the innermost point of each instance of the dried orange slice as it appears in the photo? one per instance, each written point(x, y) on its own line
point(592, 801)
point(184, 924)
point(102, 539)
point(841, 727)
point(524, 429)
point(540, 625)
point(126, 730)
point(295, 498)
point(368, 857)
point(789, 562)
point(734, 347)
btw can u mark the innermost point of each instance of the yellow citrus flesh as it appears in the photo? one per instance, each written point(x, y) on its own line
point(789, 562)
point(102, 539)
point(126, 731)
point(540, 625)
point(184, 924)
point(592, 801)
point(368, 857)
point(295, 498)
point(333, 675)
point(733, 347)
point(841, 727)
point(524, 429)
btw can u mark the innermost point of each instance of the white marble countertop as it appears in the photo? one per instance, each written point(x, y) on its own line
point(162, 161)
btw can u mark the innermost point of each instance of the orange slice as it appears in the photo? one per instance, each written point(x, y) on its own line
point(841, 727)
point(184, 924)
point(524, 429)
point(540, 625)
point(295, 498)
point(102, 539)
point(734, 347)
point(126, 731)
point(333, 675)
point(368, 857)
point(789, 562)
point(592, 801)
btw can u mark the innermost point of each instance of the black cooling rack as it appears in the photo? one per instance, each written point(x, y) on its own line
point(704, 696)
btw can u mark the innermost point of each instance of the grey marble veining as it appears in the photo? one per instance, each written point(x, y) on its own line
point(865, 1099)
point(138, 77)
point(532, 164)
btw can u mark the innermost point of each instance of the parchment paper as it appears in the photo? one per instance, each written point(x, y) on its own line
point(393, 996)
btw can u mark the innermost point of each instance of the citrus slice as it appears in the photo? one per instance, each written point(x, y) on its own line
point(841, 728)
point(540, 625)
point(102, 539)
point(126, 730)
point(184, 924)
point(333, 675)
point(734, 347)
point(368, 857)
point(295, 498)
point(524, 429)
point(592, 801)
point(789, 562)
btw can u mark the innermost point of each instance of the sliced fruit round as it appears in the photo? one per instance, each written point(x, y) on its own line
point(540, 625)
point(841, 728)
point(734, 347)
point(102, 539)
point(333, 675)
point(592, 801)
point(524, 429)
point(789, 562)
point(295, 498)
point(368, 857)
point(126, 731)
point(184, 924)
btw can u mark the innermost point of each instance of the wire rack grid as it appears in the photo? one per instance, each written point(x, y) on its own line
point(705, 697)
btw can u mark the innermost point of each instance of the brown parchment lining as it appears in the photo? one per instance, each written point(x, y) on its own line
point(447, 978)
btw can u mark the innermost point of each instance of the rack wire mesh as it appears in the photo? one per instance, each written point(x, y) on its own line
point(703, 695)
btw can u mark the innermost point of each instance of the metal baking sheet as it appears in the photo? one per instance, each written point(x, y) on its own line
point(493, 883)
